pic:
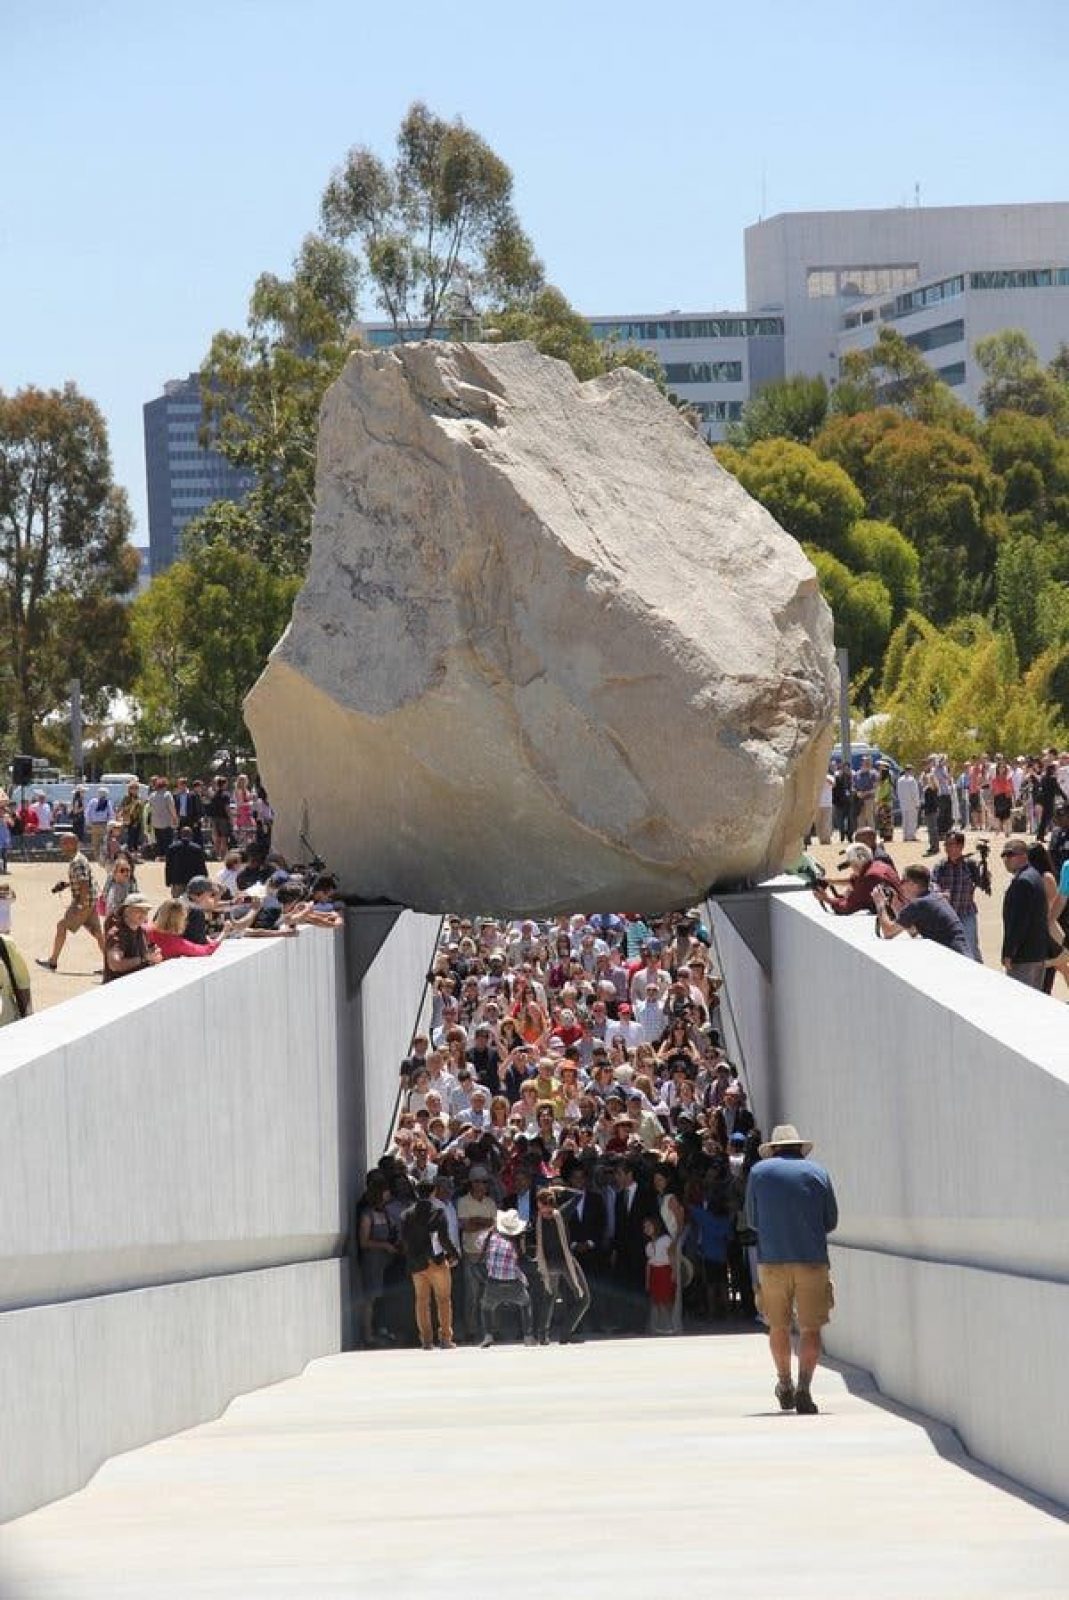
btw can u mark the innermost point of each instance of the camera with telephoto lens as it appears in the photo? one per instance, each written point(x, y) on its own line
point(983, 871)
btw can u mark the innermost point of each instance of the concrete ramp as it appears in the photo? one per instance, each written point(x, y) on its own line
point(611, 1469)
point(180, 1157)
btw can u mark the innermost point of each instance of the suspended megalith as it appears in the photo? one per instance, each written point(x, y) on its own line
point(549, 655)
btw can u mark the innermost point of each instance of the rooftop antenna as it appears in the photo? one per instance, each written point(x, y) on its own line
point(917, 194)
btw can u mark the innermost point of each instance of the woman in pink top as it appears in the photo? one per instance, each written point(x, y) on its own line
point(1002, 797)
point(167, 929)
point(244, 813)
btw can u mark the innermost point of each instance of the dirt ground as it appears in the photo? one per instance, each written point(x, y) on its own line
point(35, 913)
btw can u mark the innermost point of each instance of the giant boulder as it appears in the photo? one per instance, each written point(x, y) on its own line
point(549, 655)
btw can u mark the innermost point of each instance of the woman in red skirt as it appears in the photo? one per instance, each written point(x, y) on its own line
point(660, 1278)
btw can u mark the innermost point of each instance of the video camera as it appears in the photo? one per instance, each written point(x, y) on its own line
point(983, 870)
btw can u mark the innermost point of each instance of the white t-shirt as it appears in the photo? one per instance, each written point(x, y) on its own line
point(471, 1210)
point(659, 1251)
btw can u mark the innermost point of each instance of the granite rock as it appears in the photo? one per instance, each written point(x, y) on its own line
point(549, 655)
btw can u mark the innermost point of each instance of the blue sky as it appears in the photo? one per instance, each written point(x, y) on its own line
point(155, 158)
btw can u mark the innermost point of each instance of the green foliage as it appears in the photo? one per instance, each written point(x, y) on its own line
point(65, 557)
point(861, 606)
point(203, 631)
point(1030, 603)
point(1016, 380)
point(933, 484)
point(813, 499)
point(556, 329)
point(1011, 437)
point(894, 374)
point(961, 688)
point(262, 391)
point(879, 548)
point(791, 408)
point(435, 227)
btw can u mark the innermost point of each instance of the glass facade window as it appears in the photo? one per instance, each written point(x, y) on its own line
point(689, 328)
point(717, 410)
point(383, 338)
point(1020, 278)
point(935, 338)
point(703, 372)
point(933, 294)
point(953, 375)
point(823, 282)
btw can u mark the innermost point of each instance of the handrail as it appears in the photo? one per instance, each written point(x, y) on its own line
point(427, 984)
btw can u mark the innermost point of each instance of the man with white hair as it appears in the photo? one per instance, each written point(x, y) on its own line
point(865, 875)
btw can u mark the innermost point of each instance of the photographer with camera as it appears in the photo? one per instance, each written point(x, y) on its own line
point(918, 909)
point(82, 912)
point(958, 876)
point(866, 875)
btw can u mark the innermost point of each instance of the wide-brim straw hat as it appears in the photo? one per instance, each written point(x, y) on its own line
point(510, 1223)
point(782, 1136)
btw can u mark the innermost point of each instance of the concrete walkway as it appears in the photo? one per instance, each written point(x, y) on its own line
point(648, 1468)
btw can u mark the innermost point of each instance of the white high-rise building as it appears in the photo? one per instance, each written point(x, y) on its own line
point(834, 276)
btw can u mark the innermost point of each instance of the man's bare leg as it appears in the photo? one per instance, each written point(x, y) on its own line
point(779, 1342)
point(808, 1356)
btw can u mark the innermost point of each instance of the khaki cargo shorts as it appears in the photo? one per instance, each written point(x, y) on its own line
point(76, 917)
point(789, 1285)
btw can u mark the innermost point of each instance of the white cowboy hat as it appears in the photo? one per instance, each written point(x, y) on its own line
point(510, 1223)
point(783, 1135)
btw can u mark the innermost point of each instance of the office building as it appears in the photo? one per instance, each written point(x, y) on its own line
point(712, 360)
point(182, 477)
point(835, 275)
point(944, 318)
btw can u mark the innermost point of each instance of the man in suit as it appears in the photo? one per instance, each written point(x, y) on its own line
point(1025, 936)
point(185, 859)
point(631, 1208)
point(736, 1115)
point(190, 808)
point(588, 1227)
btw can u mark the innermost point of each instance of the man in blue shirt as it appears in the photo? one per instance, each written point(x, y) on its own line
point(790, 1204)
point(921, 911)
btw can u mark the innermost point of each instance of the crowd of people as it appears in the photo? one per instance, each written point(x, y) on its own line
point(987, 793)
point(939, 902)
point(147, 819)
point(193, 829)
point(572, 1143)
point(573, 1149)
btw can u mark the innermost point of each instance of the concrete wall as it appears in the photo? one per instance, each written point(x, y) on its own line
point(179, 1154)
point(937, 1093)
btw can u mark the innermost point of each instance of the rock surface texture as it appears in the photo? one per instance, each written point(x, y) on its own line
point(549, 654)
